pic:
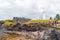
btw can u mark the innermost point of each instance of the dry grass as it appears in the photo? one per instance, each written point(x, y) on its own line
point(38, 21)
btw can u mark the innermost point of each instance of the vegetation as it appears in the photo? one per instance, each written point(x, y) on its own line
point(57, 17)
point(50, 18)
point(9, 20)
point(9, 23)
point(38, 21)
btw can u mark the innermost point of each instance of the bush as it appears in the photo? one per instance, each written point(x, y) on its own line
point(9, 20)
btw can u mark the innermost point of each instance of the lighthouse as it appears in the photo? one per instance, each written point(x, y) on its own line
point(44, 15)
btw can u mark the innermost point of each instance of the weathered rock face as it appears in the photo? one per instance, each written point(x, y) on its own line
point(37, 35)
point(1, 22)
point(2, 30)
point(34, 32)
point(21, 36)
point(55, 35)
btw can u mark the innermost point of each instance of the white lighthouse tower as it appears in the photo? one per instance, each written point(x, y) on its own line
point(44, 15)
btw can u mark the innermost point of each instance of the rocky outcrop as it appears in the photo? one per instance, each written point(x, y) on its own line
point(20, 20)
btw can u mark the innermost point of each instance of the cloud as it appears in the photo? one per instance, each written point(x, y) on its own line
point(28, 8)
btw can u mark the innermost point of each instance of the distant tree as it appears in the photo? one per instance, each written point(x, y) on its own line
point(57, 17)
point(50, 18)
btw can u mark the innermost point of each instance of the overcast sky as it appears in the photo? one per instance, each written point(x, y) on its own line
point(28, 8)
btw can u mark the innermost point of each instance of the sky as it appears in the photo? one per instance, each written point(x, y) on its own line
point(33, 9)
